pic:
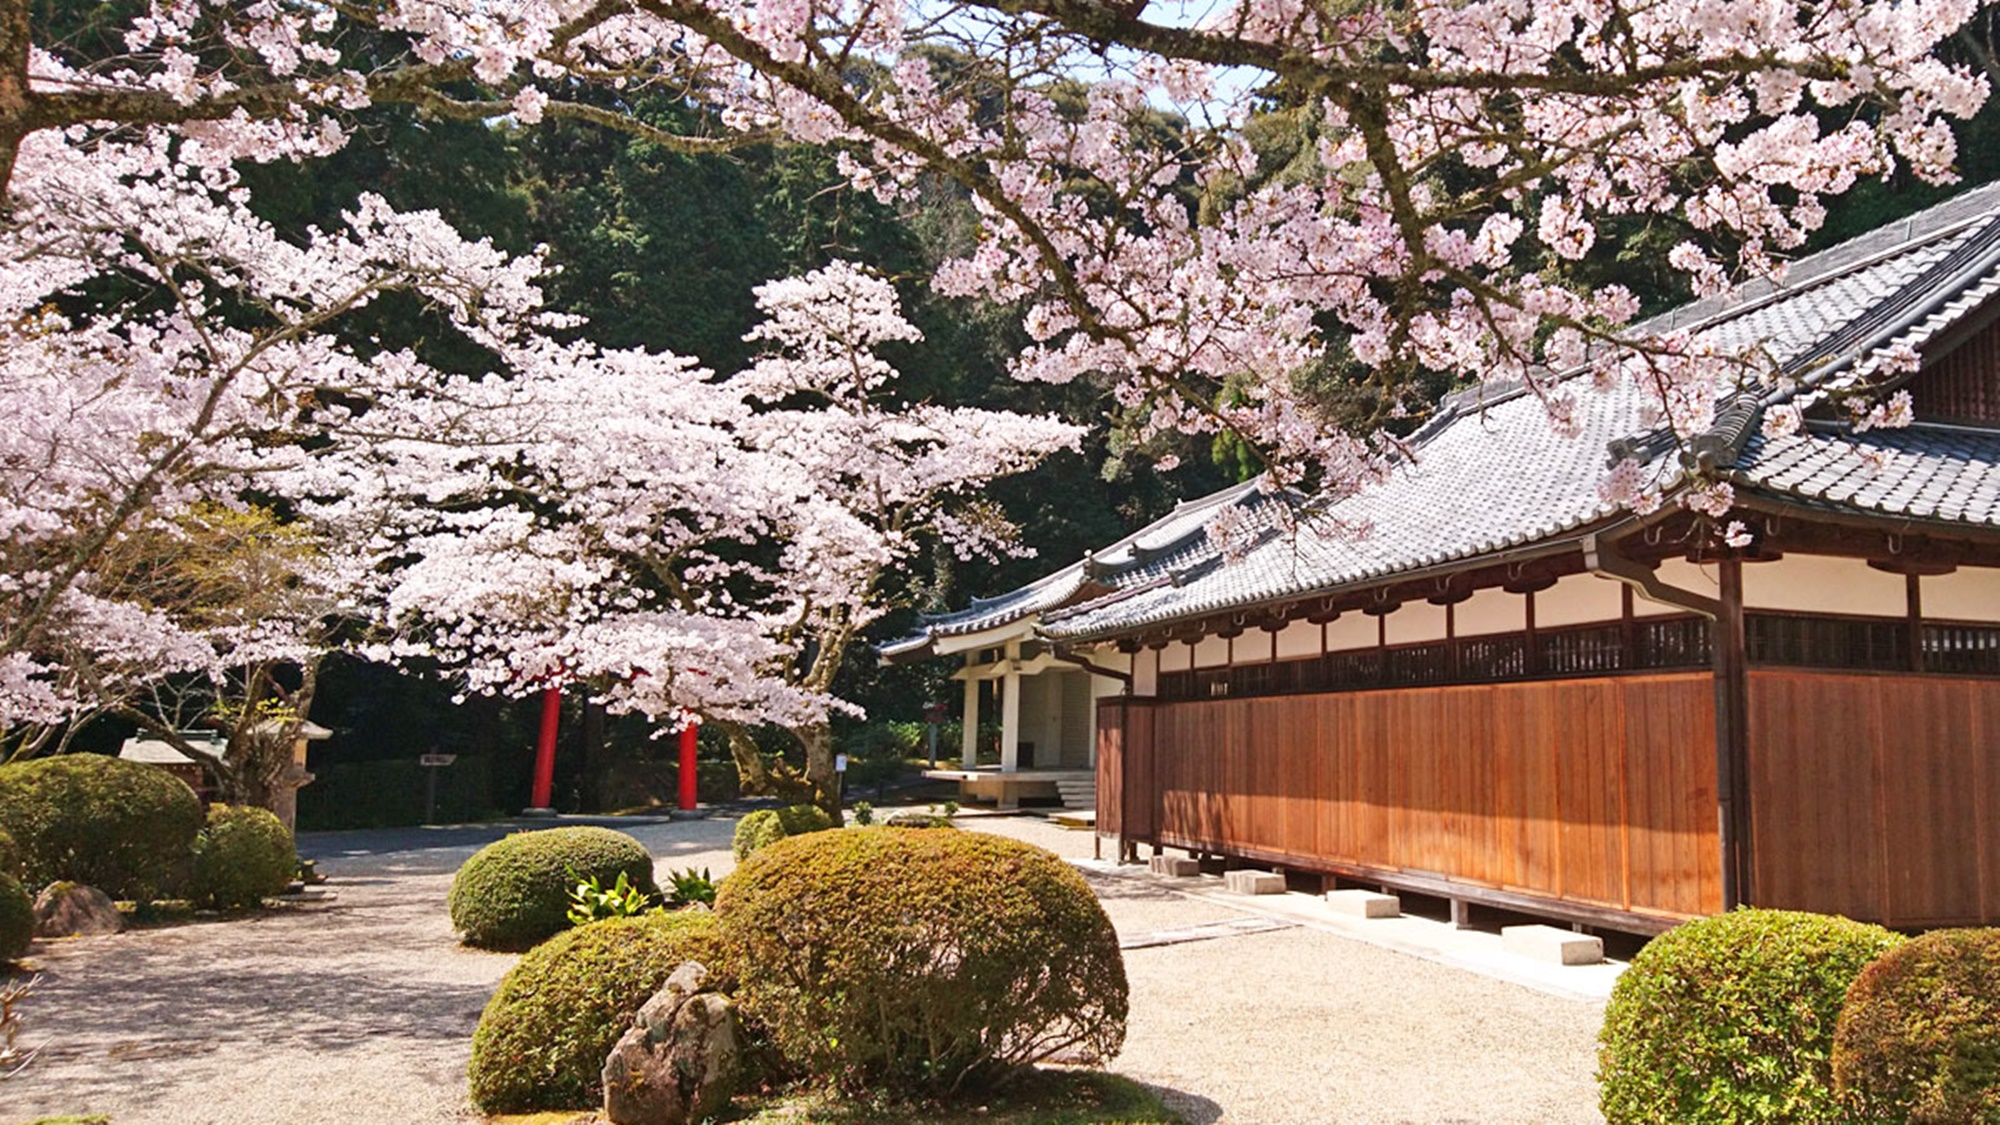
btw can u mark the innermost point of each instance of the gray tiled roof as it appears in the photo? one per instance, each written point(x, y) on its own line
point(1145, 556)
point(1490, 474)
point(1942, 474)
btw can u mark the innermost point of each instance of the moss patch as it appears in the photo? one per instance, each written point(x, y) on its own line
point(1045, 1097)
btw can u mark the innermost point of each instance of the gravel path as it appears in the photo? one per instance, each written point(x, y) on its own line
point(360, 1011)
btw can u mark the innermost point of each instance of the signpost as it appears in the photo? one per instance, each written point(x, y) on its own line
point(432, 763)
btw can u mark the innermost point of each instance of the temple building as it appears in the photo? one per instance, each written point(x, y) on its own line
point(1482, 680)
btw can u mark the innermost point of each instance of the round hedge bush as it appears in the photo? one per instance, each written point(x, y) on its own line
point(924, 962)
point(1731, 1019)
point(242, 857)
point(17, 918)
point(768, 826)
point(10, 855)
point(542, 1041)
point(123, 827)
point(1919, 1039)
point(515, 891)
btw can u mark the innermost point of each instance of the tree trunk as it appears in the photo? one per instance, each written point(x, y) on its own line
point(823, 779)
point(754, 775)
point(15, 39)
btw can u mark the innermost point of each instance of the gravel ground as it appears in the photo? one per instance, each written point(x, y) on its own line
point(360, 1011)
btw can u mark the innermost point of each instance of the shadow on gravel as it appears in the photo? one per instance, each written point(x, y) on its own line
point(195, 1003)
point(1118, 888)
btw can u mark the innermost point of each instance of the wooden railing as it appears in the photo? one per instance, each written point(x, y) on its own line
point(1643, 644)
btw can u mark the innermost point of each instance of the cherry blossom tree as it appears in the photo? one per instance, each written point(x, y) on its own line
point(1455, 144)
point(165, 350)
point(160, 342)
point(692, 546)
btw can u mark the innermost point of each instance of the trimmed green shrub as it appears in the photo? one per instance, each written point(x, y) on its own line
point(879, 958)
point(515, 891)
point(1919, 1038)
point(17, 918)
point(242, 857)
point(542, 1041)
point(768, 826)
point(10, 855)
point(1731, 1019)
point(125, 828)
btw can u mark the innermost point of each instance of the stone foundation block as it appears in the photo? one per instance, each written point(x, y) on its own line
point(1547, 943)
point(1254, 882)
point(1179, 866)
point(1364, 904)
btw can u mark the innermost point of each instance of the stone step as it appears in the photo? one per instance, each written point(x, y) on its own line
point(1180, 866)
point(1547, 943)
point(1253, 882)
point(1364, 904)
point(1078, 794)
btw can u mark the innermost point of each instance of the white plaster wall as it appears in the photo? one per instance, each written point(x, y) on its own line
point(1146, 672)
point(1300, 638)
point(1579, 599)
point(1970, 593)
point(1253, 647)
point(1211, 652)
point(1682, 574)
point(1491, 610)
point(1416, 622)
point(1351, 630)
point(1823, 584)
point(1108, 656)
point(1174, 657)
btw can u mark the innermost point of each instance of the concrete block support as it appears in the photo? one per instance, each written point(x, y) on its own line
point(1364, 904)
point(1247, 882)
point(1179, 866)
point(1546, 943)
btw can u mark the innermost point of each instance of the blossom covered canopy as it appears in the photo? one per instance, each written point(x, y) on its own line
point(1149, 251)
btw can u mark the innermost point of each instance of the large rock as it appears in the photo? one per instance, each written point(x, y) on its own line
point(74, 910)
point(681, 1060)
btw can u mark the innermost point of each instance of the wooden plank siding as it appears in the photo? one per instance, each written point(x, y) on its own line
point(1599, 792)
point(1876, 796)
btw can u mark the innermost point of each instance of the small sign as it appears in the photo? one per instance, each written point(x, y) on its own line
point(436, 760)
point(840, 763)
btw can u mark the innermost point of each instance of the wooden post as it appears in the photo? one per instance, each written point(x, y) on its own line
point(1916, 609)
point(690, 732)
point(545, 753)
point(1732, 736)
point(968, 743)
point(1010, 715)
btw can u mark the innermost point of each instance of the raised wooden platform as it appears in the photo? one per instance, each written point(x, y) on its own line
point(1007, 789)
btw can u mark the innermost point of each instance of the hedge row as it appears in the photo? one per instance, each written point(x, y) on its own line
point(131, 830)
point(1778, 1016)
point(126, 828)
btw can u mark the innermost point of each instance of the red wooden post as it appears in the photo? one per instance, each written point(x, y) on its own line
point(545, 749)
point(688, 732)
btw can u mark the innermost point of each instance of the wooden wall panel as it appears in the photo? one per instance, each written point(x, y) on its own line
point(1110, 766)
point(1599, 792)
point(1874, 796)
